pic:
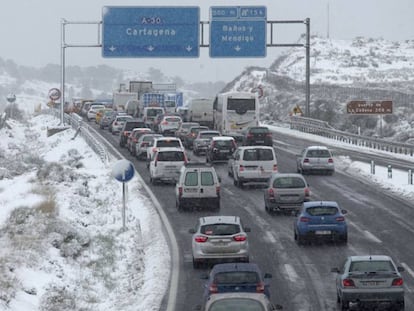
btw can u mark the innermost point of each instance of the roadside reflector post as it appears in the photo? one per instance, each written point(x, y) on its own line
point(410, 176)
point(389, 171)
point(372, 167)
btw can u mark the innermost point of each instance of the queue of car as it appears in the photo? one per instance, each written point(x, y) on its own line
point(222, 242)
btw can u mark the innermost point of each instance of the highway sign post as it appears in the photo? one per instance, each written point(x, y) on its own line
point(150, 31)
point(238, 31)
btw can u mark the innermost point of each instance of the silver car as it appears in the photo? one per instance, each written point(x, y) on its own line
point(286, 192)
point(202, 141)
point(370, 280)
point(315, 159)
point(143, 143)
point(240, 301)
point(219, 238)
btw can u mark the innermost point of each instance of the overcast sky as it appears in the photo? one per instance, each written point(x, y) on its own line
point(30, 31)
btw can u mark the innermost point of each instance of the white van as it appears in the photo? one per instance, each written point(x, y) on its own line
point(150, 114)
point(200, 110)
point(252, 164)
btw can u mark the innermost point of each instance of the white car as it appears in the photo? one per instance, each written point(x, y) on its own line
point(163, 142)
point(91, 114)
point(166, 164)
point(118, 123)
point(169, 125)
point(252, 164)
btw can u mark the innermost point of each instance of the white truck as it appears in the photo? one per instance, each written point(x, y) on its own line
point(121, 98)
point(201, 110)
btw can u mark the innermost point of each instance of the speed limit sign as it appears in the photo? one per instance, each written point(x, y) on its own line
point(54, 94)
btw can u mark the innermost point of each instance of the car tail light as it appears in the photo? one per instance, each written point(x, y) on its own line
point(307, 192)
point(306, 160)
point(143, 144)
point(200, 239)
point(271, 192)
point(115, 123)
point(192, 135)
point(304, 219)
point(398, 282)
point(340, 219)
point(330, 160)
point(274, 167)
point(241, 168)
point(348, 283)
point(134, 139)
point(164, 123)
point(213, 288)
point(260, 287)
point(156, 160)
point(126, 133)
point(249, 135)
point(240, 238)
point(154, 149)
point(185, 159)
point(218, 190)
point(234, 144)
point(180, 192)
point(269, 135)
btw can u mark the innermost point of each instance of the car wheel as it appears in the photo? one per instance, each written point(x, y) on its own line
point(217, 207)
point(179, 206)
point(152, 181)
point(344, 305)
point(338, 299)
point(299, 239)
point(196, 264)
point(344, 239)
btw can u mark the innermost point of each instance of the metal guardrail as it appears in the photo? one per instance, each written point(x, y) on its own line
point(322, 128)
point(87, 132)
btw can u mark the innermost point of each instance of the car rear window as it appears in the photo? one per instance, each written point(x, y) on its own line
point(173, 119)
point(191, 179)
point(168, 143)
point(259, 130)
point(236, 277)
point(288, 182)
point(318, 154)
point(207, 179)
point(170, 156)
point(371, 266)
point(322, 210)
point(154, 112)
point(223, 143)
point(220, 229)
point(131, 125)
point(258, 155)
point(239, 304)
point(123, 118)
point(208, 135)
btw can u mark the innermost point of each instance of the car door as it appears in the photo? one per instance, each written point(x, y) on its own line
point(208, 183)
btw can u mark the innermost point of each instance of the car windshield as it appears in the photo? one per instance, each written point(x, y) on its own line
point(317, 153)
point(259, 154)
point(236, 304)
point(236, 277)
point(288, 182)
point(170, 156)
point(322, 210)
point(220, 229)
point(371, 266)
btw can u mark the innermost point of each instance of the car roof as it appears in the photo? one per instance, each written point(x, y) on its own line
point(254, 147)
point(209, 132)
point(222, 138)
point(235, 266)
point(141, 129)
point(320, 203)
point(370, 257)
point(316, 147)
point(219, 219)
point(276, 175)
point(167, 138)
point(166, 149)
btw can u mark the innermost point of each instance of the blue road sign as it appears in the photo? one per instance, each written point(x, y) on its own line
point(238, 31)
point(123, 170)
point(150, 31)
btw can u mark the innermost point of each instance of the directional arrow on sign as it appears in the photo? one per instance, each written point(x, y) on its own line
point(151, 48)
point(189, 48)
point(237, 48)
point(112, 48)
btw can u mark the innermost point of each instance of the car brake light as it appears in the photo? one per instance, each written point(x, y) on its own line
point(249, 135)
point(269, 135)
point(348, 283)
point(240, 238)
point(304, 219)
point(307, 192)
point(241, 168)
point(180, 192)
point(213, 289)
point(330, 160)
point(271, 192)
point(164, 123)
point(200, 239)
point(115, 123)
point(260, 287)
point(218, 190)
point(274, 167)
point(154, 149)
point(340, 219)
point(156, 160)
point(306, 160)
point(185, 159)
point(398, 282)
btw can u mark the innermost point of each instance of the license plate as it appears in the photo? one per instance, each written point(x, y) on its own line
point(322, 232)
point(224, 151)
point(260, 141)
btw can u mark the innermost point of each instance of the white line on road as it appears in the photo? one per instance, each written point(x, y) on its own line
point(293, 276)
point(372, 237)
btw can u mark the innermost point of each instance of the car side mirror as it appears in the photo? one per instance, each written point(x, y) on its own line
point(278, 307)
point(192, 230)
point(344, 211)
point(267, 276)
point(247, 229)
point(204, 276)
point(219, 178)
point(335, 270)
point(400, 269)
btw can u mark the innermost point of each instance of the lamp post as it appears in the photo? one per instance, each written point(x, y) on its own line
point(11, 98)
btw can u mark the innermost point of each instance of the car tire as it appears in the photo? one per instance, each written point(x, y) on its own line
point(299, 239)
point(196, 264)
point(152, 181)
point(344, 239)
point(179, 206)
point(217, 207)
point(344, 305)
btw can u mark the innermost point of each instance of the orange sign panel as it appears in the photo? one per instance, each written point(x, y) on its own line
point(369, 107)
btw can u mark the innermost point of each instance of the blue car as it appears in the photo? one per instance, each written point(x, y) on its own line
point(236, 277)
point(321, 220)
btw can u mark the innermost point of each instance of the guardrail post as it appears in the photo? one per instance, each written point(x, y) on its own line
point(372, 167)
point(389, 171)
point(410, 176)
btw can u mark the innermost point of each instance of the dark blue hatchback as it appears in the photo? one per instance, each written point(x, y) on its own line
point(236, 277)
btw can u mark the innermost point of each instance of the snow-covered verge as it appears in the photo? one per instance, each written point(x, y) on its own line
point(61, 237)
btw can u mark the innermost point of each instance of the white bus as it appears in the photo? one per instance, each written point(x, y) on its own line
point(235, 111)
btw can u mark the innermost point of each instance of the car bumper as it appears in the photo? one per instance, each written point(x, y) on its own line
point(242, 255)
point(324, 233)
point(390, 296)
point(199, 202)
point(280, 206)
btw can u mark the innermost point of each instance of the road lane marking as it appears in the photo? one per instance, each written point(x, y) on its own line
point(372, 237)
point(291, 273)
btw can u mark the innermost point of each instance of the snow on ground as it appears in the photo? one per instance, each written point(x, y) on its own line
point(61, 237)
